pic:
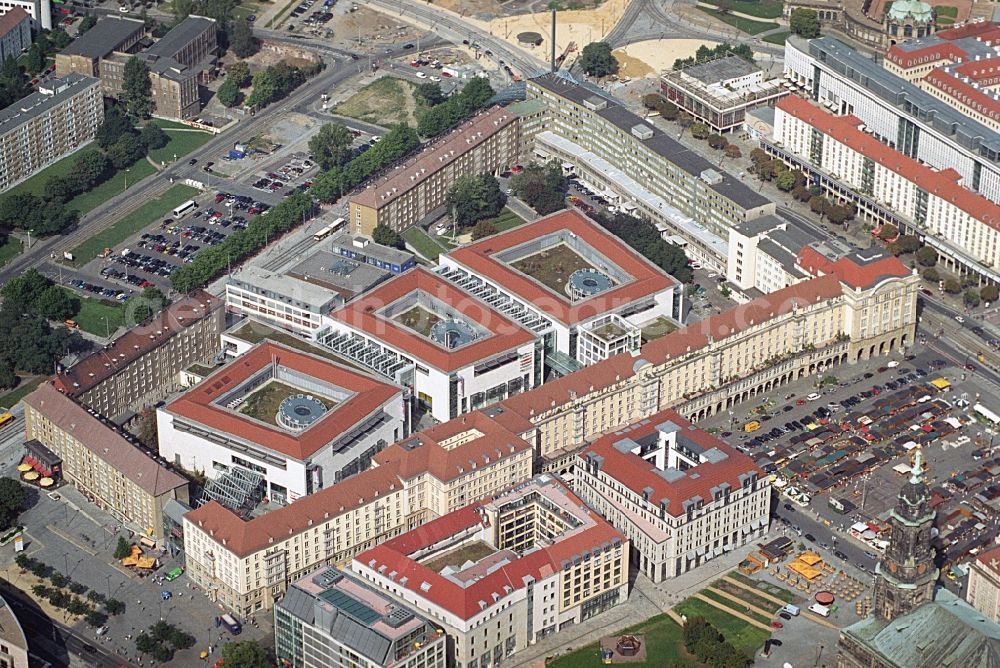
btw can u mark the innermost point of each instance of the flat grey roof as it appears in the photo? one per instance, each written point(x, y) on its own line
point(104, 37)
point(372, 249)
point(180, 36)
point(40, 103)
point(762, 225)
point(907, 98)
point(661, 143)
point(295, 291)
point(332, 271)
point(721, 69)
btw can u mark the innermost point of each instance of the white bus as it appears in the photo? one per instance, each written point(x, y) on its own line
point(329, 229)
point(185, 208)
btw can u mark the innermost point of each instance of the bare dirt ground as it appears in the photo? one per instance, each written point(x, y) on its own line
point(367, 30)
point(651, 57)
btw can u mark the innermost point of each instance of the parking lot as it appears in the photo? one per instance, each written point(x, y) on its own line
point(293, 174)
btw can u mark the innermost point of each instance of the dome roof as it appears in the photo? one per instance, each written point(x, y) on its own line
point(901, 10)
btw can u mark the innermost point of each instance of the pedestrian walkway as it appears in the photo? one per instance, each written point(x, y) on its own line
point(737, 599)
point(729, 611)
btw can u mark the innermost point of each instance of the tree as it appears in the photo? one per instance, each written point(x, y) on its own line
point(331, 146)
point(246, 654)
point(818, 204)
point(931, 274)
point(95, 618)
point(652, 101)
point(8, 379)
point(387, 236)
point(137, 90)
point(12, 498)
point(597, 60)
point(91, 167)
point(86, 24)
point(59, 38)
point(542, 187)
point(700, 131)
point(989, 293)
point(141, 308)
point(22, 293)
point(153, 137)
point(804, 22)
point(717, 141)
point(483, 229)
point(927, 256)
point(838, 214)
point(952, 286)
point(57, 304)
point(241, 38)
point(229, 94)
point(971, 298)
point(733, 151)
point(145, 429)
point(115, 126)
point(126, 151)
point(474, 198)
point(114, 607)
point(123, 548)
point(908, 243)
point(888, 232)
point(239, 72)
point(34, 60)
point(785, 180)
point(430, 92)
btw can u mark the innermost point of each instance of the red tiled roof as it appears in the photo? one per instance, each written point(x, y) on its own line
point(847, 270)
point(369, 396)
point(942, 45)
point(434, 157)
point(964, 92)
point(246, 537)
point(104, 440)
point(676, 344)
point(11, 19)
point(648, 279)
point(423, 453)
point(136, 342)
point(637, 474)
point(361, 314)
point(943, 184)
point(465, 601)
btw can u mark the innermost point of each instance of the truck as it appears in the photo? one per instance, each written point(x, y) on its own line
point(231, 624)
point(821, 610)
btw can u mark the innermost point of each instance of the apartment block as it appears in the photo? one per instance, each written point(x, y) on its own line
point(720, 92)
point(983, 592)
point(143, 365)
point(174, 87)
point(109, 468)
point(487, 143)
point(39, 10)
point(47, 125)
point(111, 34)
point(193, 43)
point(505, 572)
point(332, 619)
point(896, 111)
point(681, 496)
point(638, 166)
point(848, 162)
point(15, 33)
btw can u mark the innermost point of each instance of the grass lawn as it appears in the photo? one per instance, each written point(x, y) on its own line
point(418, 319)
point(748, 26)
point(9, 249)
point(656, 328)
point(773, 590)
point(85, 202)
point(552, 267)
point(182, 141)
point(778, 37)
point(945, 10)
point(733, 605)
point(470, 552)
point(743, 594)
point(93, 312)
point(36, 184)
point(664, 647)
point(507, 220)
point(25, 388)
point(384, 101)
point(263, 404)
point(423, 243)
point(742, 635)
point(132, 223)
point(765, 9)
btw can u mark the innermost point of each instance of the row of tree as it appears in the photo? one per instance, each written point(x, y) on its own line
point(438, 119)
point(399, 142)
point(261, 230)
point(646, 240)
point(277, 81)
point(706, 53)
point(542, 187)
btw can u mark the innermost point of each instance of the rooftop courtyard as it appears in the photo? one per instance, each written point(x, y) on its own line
point(553, 266)
point(263, 403)
point(473, 551)
point(418, 319)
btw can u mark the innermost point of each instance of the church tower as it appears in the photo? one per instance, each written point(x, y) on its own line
point(905, 576)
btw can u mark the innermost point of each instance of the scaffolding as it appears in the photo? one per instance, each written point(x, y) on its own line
point(238, 489)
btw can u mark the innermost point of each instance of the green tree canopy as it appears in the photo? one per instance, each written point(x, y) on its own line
point(239, 72)
point(474, 198)
point(241, 38)
point(137, 90)
point(785, 180)
point(331, 146)
point(387, 236)
point(229, 94)
point(804, 22)
point(430, 92)
point(152, 136)
point(88, 22)
point(542, 187)
point(927, 256)
point(597, 60)
point(113, 128)
point(989, 293)
point(246, 654)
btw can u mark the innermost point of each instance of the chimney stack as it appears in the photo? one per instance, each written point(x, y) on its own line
point(553, 40)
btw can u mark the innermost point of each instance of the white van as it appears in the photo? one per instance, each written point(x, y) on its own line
point(820, 610)
point(793, 610)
